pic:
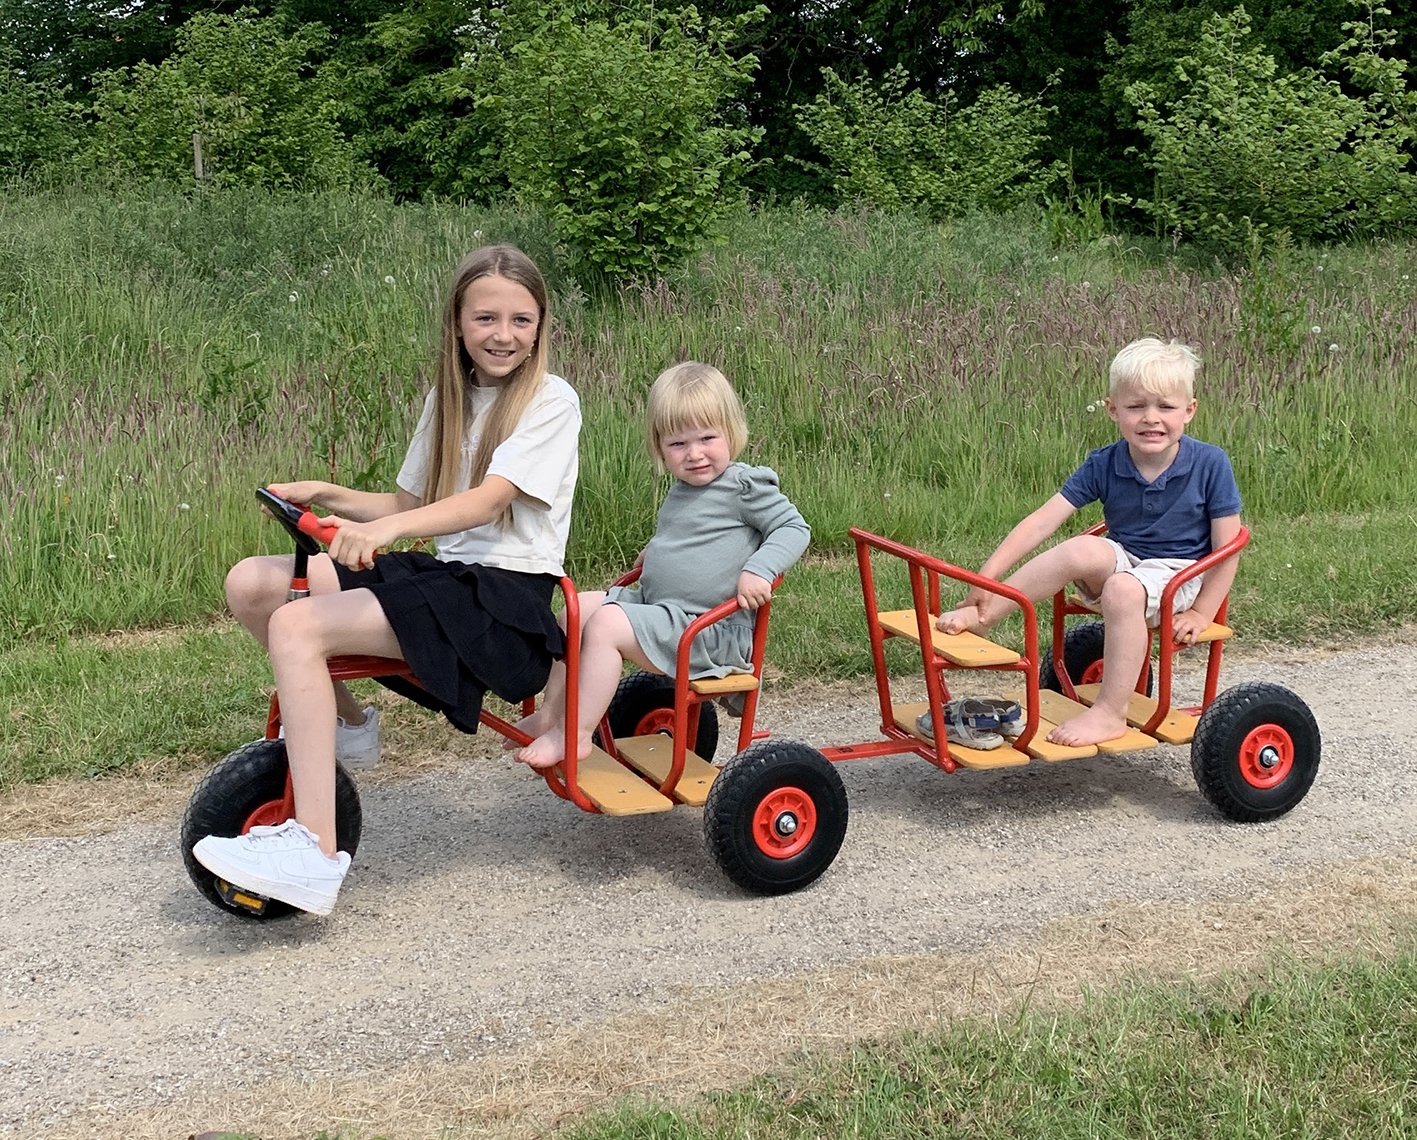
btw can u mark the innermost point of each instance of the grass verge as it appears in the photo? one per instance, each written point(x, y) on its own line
point(1303, 1051)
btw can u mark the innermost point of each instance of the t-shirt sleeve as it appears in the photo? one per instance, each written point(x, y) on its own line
point(770, 512)
point(414, 472)
point(542, 452)
point(1223, 494)
point(1085, 484)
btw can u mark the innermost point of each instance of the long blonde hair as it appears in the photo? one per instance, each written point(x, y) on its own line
point(452, 406)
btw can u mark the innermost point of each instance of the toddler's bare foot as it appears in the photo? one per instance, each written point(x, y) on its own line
point(549, 749)
point(533, 726)
point(966, 619)
point(1091, 727)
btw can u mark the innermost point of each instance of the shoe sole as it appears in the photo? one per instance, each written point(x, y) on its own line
point(302, 898)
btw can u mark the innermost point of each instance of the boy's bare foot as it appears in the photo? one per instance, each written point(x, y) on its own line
point(1091, 727)
point(963, 620)
point(549, 749)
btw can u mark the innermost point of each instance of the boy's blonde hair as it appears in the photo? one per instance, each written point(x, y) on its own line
point(693, 395)
point(1156, 366)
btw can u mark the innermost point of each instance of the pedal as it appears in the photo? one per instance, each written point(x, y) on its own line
point(241, 899)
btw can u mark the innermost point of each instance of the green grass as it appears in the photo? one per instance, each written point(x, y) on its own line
point(1304, 1052)
point(931, 382)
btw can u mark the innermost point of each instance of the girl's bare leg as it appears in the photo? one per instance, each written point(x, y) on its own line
point(1123, 655)
point(553, 704)
point(301, 636)
point(608, 641)
point(257, 587)
point(1084, 558)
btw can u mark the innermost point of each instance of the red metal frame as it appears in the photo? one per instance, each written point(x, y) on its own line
point(563, 783)
point(1164, 637)
point(925, 574)
point(686, 701)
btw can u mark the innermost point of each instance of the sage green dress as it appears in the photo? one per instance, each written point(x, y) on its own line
point(705, 537)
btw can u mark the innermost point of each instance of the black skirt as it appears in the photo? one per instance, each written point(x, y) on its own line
point(464, 629)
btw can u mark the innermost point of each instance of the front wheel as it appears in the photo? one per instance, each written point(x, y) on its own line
point(776, 816)
point(246, 789)
point(1256, 751)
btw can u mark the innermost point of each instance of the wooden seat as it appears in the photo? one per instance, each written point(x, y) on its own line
point(979, 758)
point(967, 649)
point(616, 790)
point(1056, 708)
point(717, 686)
point(1177, 727)
point(652, 756)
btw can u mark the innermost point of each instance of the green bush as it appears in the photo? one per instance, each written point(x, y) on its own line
point(37, 126)
point(619, 128)
point(1243, 149)
point(241, 84)
point(896, 149)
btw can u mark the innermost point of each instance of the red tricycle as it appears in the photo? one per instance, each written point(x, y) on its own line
point(774, 815)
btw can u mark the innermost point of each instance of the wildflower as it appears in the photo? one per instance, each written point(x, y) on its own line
point(294, 297)
point(476, 235)
point(1404, 277)
point(1055, 257)
point(1289, 566)
point(885, 494)
point(111, 557)
point(59, 480)
point(1319, 268)
point(1315, 330)
point(389, 279)
point(184, 506)
point(1333, 348)
point(1092, 407)
point(1087, 284)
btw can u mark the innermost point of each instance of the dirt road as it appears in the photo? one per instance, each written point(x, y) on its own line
point(497, 954)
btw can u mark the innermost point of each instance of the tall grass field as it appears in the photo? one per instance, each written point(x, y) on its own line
point(162, 354)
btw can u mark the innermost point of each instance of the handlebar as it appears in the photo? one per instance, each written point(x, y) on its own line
point(299, 521)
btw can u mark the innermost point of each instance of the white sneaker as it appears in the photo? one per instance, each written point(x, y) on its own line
point(282, 862)
point(357, 746)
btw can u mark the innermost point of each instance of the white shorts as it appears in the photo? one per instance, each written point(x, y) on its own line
point(1153, 573)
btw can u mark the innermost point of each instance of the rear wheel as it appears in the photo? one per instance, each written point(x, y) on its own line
point(644, 705)
point(1256, 751)
point(1082, 655)
point(776, 816)
point(246, 789)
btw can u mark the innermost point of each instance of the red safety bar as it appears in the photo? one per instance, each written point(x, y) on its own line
point(1166, 646)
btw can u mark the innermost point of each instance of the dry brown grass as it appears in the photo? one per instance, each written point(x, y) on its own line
point(705, 1039)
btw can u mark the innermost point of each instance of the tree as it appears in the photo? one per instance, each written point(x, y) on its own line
point(896, 149)
point(1242, 148)
point(37, 125)
point(621, 128)
point(246, 89)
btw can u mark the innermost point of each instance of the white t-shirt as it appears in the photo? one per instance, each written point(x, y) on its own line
point(540, 458)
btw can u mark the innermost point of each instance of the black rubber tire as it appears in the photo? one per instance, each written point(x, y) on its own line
point(640, 694)
point(745, 782)
point(235, 787)
point(1216, 759)
point(1082, 646)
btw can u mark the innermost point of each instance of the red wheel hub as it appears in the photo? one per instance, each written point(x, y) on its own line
point(1092, 675)
point(1266, 756)
point(660, 720)
point(784, 823)
point(272, 813)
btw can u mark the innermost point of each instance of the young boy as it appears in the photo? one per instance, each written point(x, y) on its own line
point(1167, 499)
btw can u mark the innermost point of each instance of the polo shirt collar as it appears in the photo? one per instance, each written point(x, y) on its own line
point(1124, 468)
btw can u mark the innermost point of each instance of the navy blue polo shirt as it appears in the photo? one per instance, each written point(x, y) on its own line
point(1168, 517)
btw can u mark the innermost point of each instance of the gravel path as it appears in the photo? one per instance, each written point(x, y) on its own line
point(484, 914)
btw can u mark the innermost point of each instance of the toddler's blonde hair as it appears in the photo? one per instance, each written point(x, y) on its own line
point(1156, 366)
point(693, 395)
